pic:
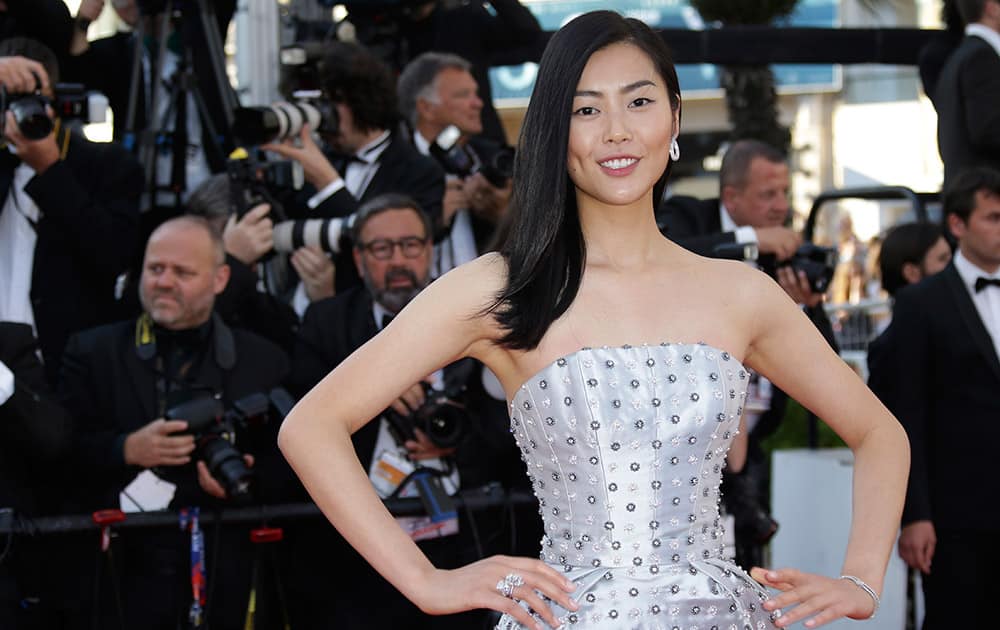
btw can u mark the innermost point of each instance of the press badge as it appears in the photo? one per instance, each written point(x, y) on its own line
point(388, 471)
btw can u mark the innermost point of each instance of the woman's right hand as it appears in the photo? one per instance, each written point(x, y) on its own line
point(475, 586)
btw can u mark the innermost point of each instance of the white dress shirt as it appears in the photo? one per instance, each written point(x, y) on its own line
point(17, 250)
point(984, 32)
point(744, 234)
point(987, 301)
point(459, 247)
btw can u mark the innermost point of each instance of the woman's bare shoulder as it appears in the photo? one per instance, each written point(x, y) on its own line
point(466, 294)
point(478, 281)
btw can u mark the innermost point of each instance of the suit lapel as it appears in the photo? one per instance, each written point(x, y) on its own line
point(970, 317)
point(385, 170)
point(8, 163)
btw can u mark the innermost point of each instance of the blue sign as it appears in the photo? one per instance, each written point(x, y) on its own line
point(514, 83)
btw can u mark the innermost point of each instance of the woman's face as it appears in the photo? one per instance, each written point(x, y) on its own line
point(621, 127)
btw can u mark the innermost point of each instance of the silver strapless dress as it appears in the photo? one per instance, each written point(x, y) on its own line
point(625, 449)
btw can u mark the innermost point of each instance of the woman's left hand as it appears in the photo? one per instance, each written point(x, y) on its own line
point(822, 599)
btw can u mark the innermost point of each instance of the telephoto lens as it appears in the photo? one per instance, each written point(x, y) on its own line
point(283, 120)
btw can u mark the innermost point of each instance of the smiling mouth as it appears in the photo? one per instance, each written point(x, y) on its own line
point(618, 163)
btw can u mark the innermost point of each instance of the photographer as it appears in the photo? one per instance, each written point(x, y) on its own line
point(121, 382)
point(69, 210)
point(248, 240)
point(34, 434)
point(504, 32)
point(437, 95)
point(192, 143)
point(368, 157)
point(392, 248)
point(46, 21)
point(752, 210)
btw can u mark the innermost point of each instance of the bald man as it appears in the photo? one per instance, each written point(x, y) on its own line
point(119, 380)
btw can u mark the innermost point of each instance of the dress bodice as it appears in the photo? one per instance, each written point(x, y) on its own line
point(625, 448)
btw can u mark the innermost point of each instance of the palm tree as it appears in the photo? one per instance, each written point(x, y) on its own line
point(751, 98)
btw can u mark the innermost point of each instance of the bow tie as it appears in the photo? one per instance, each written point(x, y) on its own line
point(982, 283)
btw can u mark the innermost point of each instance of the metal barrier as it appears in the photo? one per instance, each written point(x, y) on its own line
point(856, 324)
point(468, 500)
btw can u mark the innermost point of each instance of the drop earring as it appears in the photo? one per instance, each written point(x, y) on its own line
point(675, 150)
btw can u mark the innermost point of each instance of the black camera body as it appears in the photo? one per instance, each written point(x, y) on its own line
point(442, 417)
point(817, 262)
point(251, 182)
point(456, 159)
point(71, 102)
point(214, 429)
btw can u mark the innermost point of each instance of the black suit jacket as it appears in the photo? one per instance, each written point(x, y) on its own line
point(948, 378)
point(34, 431)
point(694, 224)
point(112, 392)
point(967, 98)
point(402, 169)
point(87, 236)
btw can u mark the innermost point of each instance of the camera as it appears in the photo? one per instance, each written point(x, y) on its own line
point(284, 120)
point(456, 159)
point(71, 102)
point(442, 417)
point(214, 429)
point(817, 262)
point(251, 182)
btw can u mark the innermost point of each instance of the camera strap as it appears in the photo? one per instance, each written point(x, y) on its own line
point(190, 521)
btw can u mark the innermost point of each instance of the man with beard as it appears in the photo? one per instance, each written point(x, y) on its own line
point(119, 381)
point(393, 250)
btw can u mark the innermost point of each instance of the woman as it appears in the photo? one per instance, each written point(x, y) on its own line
point(624, 443)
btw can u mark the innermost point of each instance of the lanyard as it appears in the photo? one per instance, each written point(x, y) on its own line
point(189, 519)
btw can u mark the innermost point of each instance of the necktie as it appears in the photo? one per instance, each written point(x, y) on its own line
point(982, 283)
point(386, 319)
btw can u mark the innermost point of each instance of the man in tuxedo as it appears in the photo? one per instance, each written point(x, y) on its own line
point(439, 98)
point(69, 213)
point(751, 211)
point(909, 253)
point(967, 94)
point(367, 158)
point(120, 381)
point(946, 343)
point(392, 247)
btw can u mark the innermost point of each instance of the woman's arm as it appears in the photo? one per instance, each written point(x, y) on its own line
point(438, 327)
point(788, 350)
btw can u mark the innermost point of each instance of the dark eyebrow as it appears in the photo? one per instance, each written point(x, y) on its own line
point(631, 87)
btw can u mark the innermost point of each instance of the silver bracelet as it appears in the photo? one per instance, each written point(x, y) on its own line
point(863, 586)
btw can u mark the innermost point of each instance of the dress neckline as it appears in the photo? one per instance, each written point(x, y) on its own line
point(587, 349)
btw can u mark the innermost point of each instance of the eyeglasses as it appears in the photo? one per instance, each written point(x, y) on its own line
point(383, 248)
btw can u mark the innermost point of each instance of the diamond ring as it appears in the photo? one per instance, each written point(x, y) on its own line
point(507, 585)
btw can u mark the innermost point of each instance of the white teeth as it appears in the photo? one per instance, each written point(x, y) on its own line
point(619, 163)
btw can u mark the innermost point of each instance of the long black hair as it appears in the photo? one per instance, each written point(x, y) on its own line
point(541, 240)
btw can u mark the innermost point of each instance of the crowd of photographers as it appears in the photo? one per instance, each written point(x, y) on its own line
point(184, 283)
point(181, 288)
